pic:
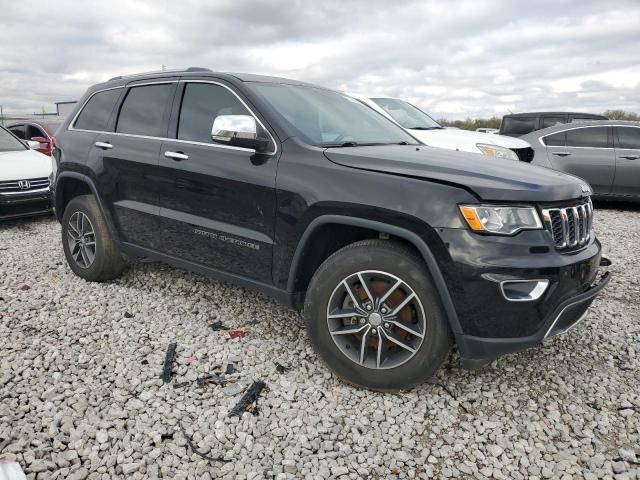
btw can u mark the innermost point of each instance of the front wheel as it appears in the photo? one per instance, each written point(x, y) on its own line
point(91, 252)
point(375, 318)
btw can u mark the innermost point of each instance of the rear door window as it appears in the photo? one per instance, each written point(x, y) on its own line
point(594, 137)
point(552, 121)
point(19, 131)
point(95, 114)
point(143, 111)
point(555, 140)
point(519, 125)
point(628, 137)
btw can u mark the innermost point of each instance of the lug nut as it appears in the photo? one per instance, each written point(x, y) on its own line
point(374, 331)
point(383, 310)
point(362, 320)
point(387, 325)
point(368, 307)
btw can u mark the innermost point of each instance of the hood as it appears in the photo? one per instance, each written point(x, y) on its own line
point(464, 140)
point(24, 165)
point(489, 178)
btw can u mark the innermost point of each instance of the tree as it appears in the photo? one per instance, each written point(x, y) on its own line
point(621, 115)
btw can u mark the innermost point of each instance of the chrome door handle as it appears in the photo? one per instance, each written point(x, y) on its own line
point(630, 157)
point(104, 145)
point(177, 156)
point(561, 154)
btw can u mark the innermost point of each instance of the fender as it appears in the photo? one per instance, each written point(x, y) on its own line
point(403, 233)
point(85, 179)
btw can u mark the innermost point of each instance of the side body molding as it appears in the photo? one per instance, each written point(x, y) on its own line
point(403, 233)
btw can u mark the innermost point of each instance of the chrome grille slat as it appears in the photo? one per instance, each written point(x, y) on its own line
point(570, 227)
point(14, 187)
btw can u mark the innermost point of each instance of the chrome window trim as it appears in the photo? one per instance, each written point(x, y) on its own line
point(540, 139)
point(215, 145)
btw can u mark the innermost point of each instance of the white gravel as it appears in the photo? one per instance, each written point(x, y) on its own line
point(81, 394)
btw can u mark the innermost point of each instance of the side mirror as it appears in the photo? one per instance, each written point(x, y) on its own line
point(32, 145)
point(239, 131)
point(40, 140)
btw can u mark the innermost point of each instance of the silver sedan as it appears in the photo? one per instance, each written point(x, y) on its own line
point(606, 153)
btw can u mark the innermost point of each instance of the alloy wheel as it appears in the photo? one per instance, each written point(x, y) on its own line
point(376, 319)
point(81, 239)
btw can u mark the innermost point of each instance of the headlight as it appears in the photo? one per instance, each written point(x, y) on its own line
point(500, 220)
point(496, 151)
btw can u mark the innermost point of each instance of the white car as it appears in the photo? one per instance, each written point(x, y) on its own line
point(25, 176)
point(431, 133)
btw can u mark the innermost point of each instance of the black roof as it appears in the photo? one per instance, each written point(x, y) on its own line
point(535, 114)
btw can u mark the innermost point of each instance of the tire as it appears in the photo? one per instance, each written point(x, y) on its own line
point(101, 261)
point(379, 264)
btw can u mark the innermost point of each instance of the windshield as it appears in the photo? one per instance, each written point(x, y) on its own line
point(326, 118)
point(406, 114)
point(9, 143)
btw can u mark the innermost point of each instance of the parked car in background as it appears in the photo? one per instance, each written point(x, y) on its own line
point(518, 124)
point(431, 133)
point(393, 249)
point(605, 153)
point(24, 178)
point(41, 131)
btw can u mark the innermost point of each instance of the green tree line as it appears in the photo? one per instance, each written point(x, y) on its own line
point(494, 122)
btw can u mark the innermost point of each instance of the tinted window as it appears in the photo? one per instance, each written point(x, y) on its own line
point(555, 140)
point(519, 125)
point(201, 104)
point(587, 137)
point(95, 114)
point(628, 137)
point(18, 131)
point(142, 112)
point(551, 121)
point(406, 114)
point(584, 119)
point(34, 132)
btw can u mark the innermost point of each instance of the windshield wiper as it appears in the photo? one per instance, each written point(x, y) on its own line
point(424, 128)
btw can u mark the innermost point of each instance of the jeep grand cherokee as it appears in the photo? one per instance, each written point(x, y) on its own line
point(394, 250)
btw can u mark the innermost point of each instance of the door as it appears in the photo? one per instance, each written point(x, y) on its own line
point(585, 152)
point(127, 160)
point(627, 147)
point(217, 202)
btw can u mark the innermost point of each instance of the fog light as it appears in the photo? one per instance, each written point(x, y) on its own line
point(523, 290)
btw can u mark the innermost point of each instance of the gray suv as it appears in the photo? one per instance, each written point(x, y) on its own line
point(604, 153)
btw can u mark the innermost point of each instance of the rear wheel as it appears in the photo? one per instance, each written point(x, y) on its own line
point(91, 252)
point(374, 316)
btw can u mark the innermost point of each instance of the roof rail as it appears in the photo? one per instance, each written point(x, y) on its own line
point(154, 72)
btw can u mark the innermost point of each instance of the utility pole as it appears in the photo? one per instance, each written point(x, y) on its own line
point(1, 115)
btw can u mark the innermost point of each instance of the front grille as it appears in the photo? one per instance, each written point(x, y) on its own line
point(570, 227)
point(524, 154)
point(23, 186)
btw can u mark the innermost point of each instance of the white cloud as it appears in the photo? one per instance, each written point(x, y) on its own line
point(455, 59)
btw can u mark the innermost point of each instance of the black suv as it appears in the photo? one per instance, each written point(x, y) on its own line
point(395, 250)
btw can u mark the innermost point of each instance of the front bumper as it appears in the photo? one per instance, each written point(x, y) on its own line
point(479, 351)
point(25, 205)
point(490, 324)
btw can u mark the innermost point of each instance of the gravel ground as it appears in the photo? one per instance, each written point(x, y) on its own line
point(81, 394)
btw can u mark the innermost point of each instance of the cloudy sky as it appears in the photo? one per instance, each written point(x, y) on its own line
point(453, 58)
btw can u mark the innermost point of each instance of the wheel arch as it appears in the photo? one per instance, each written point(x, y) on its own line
point(412, 238)
point(73, 184)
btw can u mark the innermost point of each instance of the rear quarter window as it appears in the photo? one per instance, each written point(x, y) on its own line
point(95, 114)
point(555, 140)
